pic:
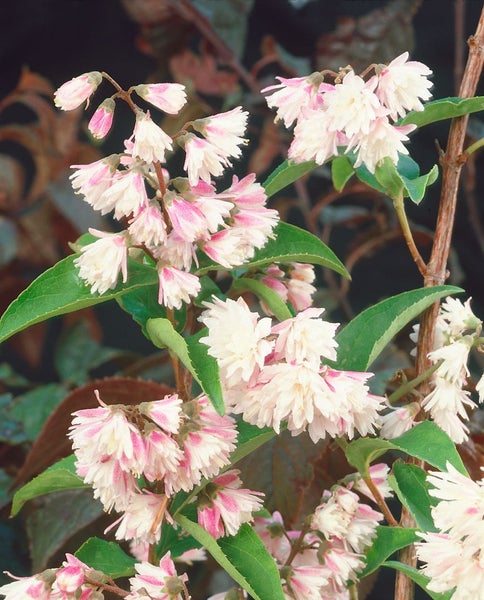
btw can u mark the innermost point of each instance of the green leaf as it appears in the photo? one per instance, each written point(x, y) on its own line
point(387, 541)
point(291, 244)
point(142, 304)
point(285, 174)
point(106, 557)
point(206, 369)
point(59, 290)
point(60, 476)
point(249, 439)
point(163, 335)
point(417, 187)
point(174, 541)
point(341, 172)
point(404, 179)
point(429, 443)
point(420, 579)
point(425, 441)
point(364, 338)
point(445, 108)
point(389, 178)
point(243, 556)
point(410, 484)
point(270, 298)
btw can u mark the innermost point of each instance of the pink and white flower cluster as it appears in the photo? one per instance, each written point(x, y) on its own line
point(151, 582)
point(165, 441)
point(457, 331)
point(170, 219)
point(352, 113)
point(274, 373)
point(330, 552)
point(454, 555)
point(293, 282)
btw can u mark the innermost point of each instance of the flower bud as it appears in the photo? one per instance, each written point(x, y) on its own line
point(73, 93)
point(102, 119)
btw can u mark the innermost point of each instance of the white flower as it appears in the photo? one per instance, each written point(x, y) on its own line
point(238, 361)
point(93, 180)
point(101, 262)
point(480, 388)
point(36, 587)
point(313, 138)
point(305, 582)
point(305, 338)
point(352, 105)
point(402, 84)
point(397, 421)
point(150, 141)
point(458, 316)
point(454, 365)
point(203, 159)
point(73, 93)
point(157, 582)
point(142, 518)
point(126, 194)
point(224, 131)
point(381, 141)
point(176, 286)
point(148, 226)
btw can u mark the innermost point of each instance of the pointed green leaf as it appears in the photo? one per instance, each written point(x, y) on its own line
point(61, 476)
point(206, 369)
point(243, 556)
point(59, 290)
point(389, 178)
point(445, 108)
point(364, 338)
point(425, 441)
point(429, 443)
point(387, 541)
point(249, 439)
point(270, 298)
point(285, 174)
point(416, 188)
point(291, 244)
point(341, 172)
point(107, 557)
point(420, 579)
point(142, 304)
point(410, 485)
point(404, 179)
point(163, 335)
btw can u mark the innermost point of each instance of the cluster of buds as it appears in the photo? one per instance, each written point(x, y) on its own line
point(274, 373)
point(351, 113)
point(171, 220)
point(457, 331)
point(319, 560)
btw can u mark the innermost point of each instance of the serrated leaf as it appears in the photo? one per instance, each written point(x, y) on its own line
point(364, 338)
point(243, 556)
point(206, 369)
point(445, 108)
point(291, 244)
point(341, 172)
point(285, 174)
point(270, 298)
point(60, 476)
point(107, 557)
point(59, 290)
point(425, 441)
point(411, 487)
point(387, 541)
point(420, 579)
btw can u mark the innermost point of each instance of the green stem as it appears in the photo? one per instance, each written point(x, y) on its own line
point(407, 234)
point(409, 386)
point(475, 146)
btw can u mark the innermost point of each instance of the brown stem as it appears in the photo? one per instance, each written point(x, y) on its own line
point(121, 93)
point(452, 162)
point(114, 589)
point(159, 176)
point(296, 547)
point(380, 500)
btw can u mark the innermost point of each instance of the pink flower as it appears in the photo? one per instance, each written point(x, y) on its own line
point(94, 179)
point(176, 286)
point(150, 141)
point(229, 247)
point(102, 119)
point(314, 139)
point(162, 454)
point(168, 97)
point(157, 582)
point(73, 93)
point(246, 193)
point(36, 587)
point(176, 252)
point(187, 220)
point(223, 506)
point(398, 420)
point(402, 84)
point(224, 130)
point(101, 262)
point(166, 413)
point(236, 361)
point(379, 476)
point(305, 582)
point(126, 194)
point(70, 577)
point(203, 159)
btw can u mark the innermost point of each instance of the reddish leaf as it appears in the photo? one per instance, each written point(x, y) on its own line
point(53, 444)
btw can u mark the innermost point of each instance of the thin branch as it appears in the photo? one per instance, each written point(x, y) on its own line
point(407, 234)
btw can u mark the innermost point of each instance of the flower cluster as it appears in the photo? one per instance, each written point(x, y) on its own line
point(76, 580)
point(292, 282)
point(319, 561)
point(454, 556)
point(165, 441)
point(171, 220)
point(457, 331)
point(274, 373)
point(352, 113)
